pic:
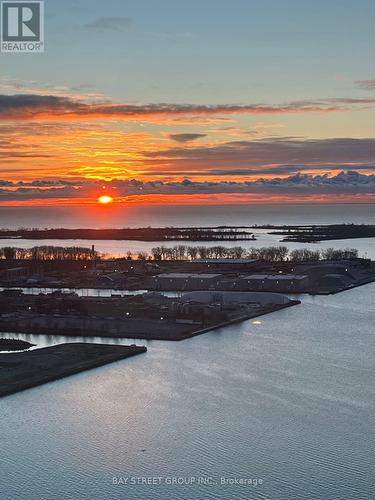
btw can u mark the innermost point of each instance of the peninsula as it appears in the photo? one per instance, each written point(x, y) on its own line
point(23, 370)
point(322, 232)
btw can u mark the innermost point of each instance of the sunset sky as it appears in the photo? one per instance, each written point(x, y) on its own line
point(203, 101)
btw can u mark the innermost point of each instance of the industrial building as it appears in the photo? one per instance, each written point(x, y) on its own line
point(226, 264)
point(14, 274)
point(260, 298)
point(186, 281)
point(292, 283)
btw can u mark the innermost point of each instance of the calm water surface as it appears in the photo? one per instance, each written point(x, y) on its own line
point(157, 215)
point(164, 215)
point(290, 401)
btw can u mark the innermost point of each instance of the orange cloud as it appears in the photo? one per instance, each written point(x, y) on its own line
point(204, 199)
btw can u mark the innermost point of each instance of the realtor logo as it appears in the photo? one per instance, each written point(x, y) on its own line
point(22, 26)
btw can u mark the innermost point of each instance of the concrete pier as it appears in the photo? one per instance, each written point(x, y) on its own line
point(23, 370)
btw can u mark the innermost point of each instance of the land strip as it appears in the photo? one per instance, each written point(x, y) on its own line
point(316, 233)
point(23, 370)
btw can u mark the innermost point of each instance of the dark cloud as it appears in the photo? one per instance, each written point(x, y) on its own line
point(39, 183)
point(277, 170)
point(20, 154)
point(117, 24)
point(35, 106)
point(185, 137)
point(46, 183)
point(254, 156)
point(366, 84)
point(26, 194)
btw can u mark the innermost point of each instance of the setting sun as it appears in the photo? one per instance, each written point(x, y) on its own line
point(105, 199)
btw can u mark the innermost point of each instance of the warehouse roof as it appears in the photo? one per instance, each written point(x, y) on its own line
point(275, 277)
point(225, 261)
point(188, 276)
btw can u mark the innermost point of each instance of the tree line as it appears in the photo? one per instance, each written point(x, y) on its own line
point(182, 252)
point(47, 252)
point(267, 254)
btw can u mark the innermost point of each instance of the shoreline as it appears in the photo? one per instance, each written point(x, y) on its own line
point(275, 308)
point(25, 370)
point(348, 287)
point(151, 234)
point(131, 290)
point(301, 233)
point(175, 335)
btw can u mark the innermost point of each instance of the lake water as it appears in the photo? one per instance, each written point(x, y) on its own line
point(162, 216)
point(290, 401)
point(118, 216)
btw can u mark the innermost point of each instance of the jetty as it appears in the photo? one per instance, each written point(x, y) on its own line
point(23, 370)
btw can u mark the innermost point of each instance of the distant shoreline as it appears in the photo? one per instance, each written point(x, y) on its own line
point(306, 233)
point(209, 233)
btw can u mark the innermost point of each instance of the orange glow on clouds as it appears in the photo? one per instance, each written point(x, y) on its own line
point(199, 199)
